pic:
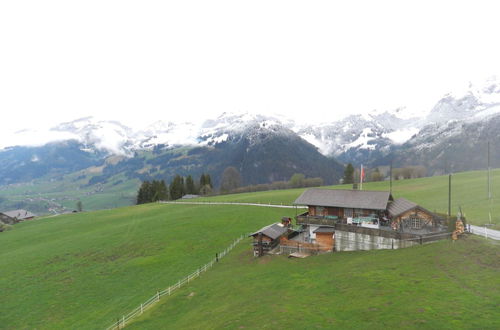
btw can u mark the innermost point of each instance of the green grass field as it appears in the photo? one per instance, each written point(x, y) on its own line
point(444, 285)
point(84, 270)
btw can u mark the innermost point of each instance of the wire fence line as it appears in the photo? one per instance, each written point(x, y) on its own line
point(126, 318)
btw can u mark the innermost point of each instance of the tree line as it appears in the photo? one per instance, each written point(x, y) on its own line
point(158, 190)
point(231, 182)
point(352, 175)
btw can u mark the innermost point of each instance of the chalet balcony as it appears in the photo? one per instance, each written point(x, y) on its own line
point(306, 219)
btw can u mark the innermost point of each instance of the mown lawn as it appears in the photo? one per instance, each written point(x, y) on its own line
point(81, 271)
point(444, 285)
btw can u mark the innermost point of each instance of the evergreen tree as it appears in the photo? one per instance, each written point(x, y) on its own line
point(190, 188)
point(205, 184)
point(144, 193)
point(152, 192)
point(208, 180)
point(203, 180)
point(177, 187)
point(349, 174)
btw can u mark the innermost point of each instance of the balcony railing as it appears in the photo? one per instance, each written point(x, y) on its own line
point(306, 219)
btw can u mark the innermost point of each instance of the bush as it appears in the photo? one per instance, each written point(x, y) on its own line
point(5, 227)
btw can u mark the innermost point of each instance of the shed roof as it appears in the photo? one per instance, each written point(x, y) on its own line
point(19, 214)
point(362, 199)
point(272, 231)
point(325, 230)
point(400, 206)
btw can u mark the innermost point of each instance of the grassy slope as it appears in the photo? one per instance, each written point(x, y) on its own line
point(444, 285)
point(68, 191)
point(469, 190)
point(84, 270)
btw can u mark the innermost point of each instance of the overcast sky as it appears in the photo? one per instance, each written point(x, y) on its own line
point(142, 61)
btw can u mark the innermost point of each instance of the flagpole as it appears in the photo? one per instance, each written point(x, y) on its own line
point(361, 178)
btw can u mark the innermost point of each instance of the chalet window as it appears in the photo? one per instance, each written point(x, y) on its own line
point(319, 210)
point(415, 222)
point(358, 212)
point(348, 213)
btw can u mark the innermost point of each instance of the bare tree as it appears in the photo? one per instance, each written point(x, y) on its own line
point(231, 179)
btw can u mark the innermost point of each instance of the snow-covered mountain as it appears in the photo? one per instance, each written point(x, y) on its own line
point(358, 138)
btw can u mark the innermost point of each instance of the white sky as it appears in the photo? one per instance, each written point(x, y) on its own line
point(142, 61)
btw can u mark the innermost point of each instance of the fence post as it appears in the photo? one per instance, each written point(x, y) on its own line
point(142, 309)
point(169, 290)
point(158, 295)
point(123, 321)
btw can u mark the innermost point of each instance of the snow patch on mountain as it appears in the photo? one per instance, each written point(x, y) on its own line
point(402, 135)
point(362, 142)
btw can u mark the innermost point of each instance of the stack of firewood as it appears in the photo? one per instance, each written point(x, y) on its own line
point(459, 230)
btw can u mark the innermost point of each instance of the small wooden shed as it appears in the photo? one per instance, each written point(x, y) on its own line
point(267, 238)
point(325, 237)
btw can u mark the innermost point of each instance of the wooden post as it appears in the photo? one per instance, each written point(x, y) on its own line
point(157, 295)
point(449, 195)
point(216, 257)
point(169, 291)
point(142, 309)
point(123, 321)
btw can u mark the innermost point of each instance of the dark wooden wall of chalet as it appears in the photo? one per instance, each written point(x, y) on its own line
point(337, 211)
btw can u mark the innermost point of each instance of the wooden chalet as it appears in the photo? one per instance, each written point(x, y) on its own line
point(329, 206)
point(372, 209)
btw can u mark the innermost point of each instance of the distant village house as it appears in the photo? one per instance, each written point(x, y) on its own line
point(12, 217)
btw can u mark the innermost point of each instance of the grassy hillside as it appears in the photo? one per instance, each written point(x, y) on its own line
point(469, 190)
point(444, 285)
point(84, 270)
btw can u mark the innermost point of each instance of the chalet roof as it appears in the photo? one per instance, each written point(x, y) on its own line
point(325, 230)
point(400, 206)
point(272, 231)
point(19, 214)
point(362, 199)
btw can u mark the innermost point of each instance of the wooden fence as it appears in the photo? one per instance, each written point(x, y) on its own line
point(122, 322)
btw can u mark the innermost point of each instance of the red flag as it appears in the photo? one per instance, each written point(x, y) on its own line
point(362, 176)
